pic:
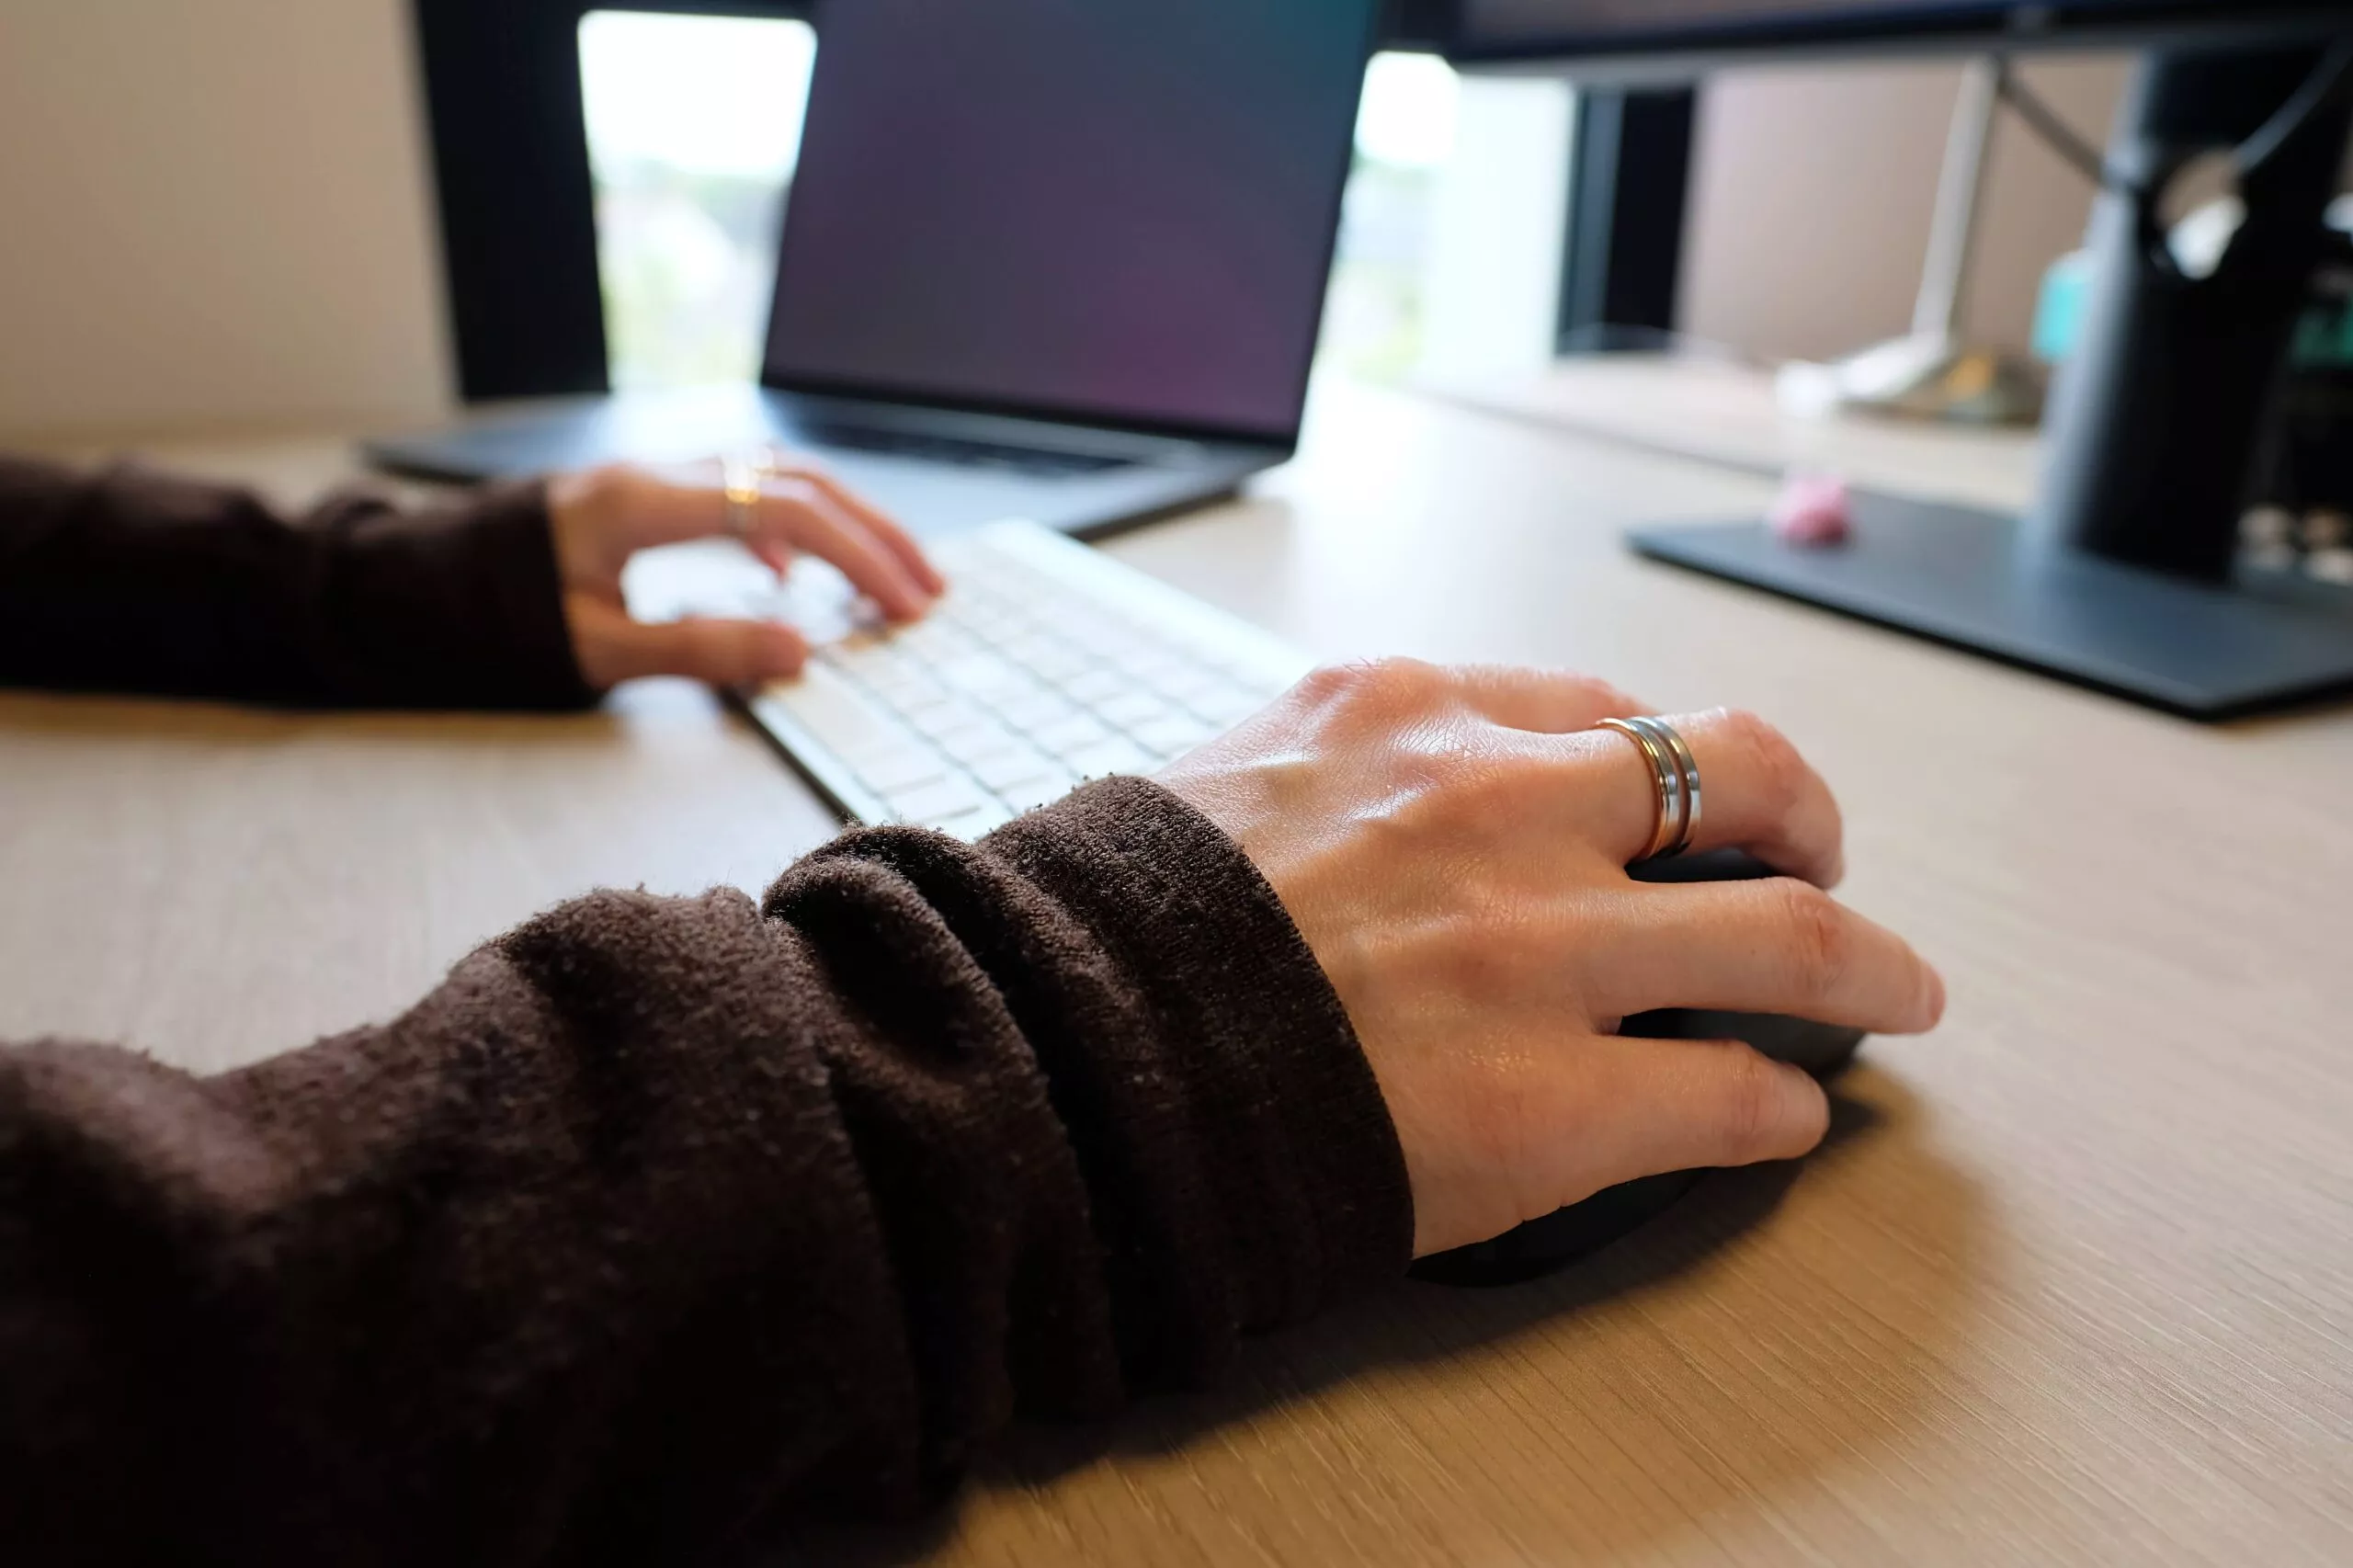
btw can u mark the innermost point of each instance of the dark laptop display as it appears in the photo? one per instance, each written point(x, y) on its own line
point(1115, 212)
point(1054, 259)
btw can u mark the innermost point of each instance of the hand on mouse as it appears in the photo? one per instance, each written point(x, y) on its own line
point(601, 517)
point(1454, 844)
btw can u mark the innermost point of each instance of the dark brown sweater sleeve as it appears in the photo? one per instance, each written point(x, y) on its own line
point(664, 1223)
point(132, 582)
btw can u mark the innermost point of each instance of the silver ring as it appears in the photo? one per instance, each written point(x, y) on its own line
point(1675, 774)
point(740, 478)
point(1689, 766)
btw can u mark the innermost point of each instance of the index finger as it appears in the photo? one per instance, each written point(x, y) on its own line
point(798, 514)
point(894, 538)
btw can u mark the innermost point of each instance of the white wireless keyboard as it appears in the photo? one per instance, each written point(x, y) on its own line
point(1046, 665)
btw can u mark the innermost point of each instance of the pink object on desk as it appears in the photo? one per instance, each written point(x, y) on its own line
point(1815, 511)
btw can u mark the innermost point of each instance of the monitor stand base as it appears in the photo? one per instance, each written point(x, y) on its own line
point(1972, 580)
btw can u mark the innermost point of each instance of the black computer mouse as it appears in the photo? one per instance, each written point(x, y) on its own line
point(1540, 1246)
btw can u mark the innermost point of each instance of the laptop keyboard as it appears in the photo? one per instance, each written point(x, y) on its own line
point(959, 451)
point(1046, 665)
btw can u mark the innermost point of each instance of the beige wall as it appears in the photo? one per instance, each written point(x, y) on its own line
point(213, 213)
point(1813, 192)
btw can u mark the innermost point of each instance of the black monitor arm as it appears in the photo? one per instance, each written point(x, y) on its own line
point(2160, 416)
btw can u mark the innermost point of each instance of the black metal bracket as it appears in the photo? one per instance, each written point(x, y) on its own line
point(510, 160)
point(1630, 181)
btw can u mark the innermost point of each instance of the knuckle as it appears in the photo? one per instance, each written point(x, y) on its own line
point(1385, 687)
point(1820, 944)
point(1751, 1103)
point(1773, 769)
point(1599, 693)
point(1330, 684)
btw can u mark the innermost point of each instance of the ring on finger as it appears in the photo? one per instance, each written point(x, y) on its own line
point(740, 479)
point(1675, 774)
point(776, 462)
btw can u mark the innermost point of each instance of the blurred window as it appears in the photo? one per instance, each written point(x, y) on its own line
point(694, 130)
point(1375, 321)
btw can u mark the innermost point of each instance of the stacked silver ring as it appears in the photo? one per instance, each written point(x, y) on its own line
point(1677, 773)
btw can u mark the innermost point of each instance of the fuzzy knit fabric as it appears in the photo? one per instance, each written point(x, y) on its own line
point(663, 1223)
point(128, 581)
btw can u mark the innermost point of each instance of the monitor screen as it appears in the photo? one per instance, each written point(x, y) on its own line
point(1608, 26)
point(1120, 213)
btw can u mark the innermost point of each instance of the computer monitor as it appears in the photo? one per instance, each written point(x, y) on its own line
point(2123, 577)
point(1617, 37)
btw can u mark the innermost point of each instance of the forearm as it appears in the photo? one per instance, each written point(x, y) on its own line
point(121, 580)
point(662, 1218)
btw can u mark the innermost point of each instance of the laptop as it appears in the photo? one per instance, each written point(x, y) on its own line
point(1057, 259)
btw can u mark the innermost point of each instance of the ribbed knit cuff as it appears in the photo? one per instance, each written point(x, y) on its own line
point(1303, 1183)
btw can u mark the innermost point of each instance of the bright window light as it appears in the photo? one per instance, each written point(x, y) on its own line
point(694, 131)
point(1375, 325)
point(1408, 113)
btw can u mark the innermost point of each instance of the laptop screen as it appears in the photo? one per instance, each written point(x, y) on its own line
point(1120, 212)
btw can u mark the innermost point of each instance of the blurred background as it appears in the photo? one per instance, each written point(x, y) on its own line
point(272, 155)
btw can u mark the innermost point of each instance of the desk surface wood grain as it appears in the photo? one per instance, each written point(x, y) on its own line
point(2072, 1284)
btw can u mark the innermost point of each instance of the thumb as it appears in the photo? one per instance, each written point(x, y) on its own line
point(1720, 1103)
point(719, 653)
point(1645, 1106)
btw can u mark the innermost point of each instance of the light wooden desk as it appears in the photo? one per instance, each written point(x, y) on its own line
point(2075, 1284)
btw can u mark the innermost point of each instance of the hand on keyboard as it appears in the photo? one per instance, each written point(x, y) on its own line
point(1046, 665)
point(599, 520)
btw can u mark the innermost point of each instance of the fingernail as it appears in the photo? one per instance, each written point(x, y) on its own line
point(1936, 997)
point(1808, 1108)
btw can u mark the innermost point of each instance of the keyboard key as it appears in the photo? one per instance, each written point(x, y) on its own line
point(1075, 735)
point(937, 802)
point(1048, 658)
point(985, 676)
point(909, 691)
point(942, 719)
point(977, 742)
point(836, 714)
point(1171, 738)
point(1226, 704)
point(1039, 710)
point(895, 772)
point(1188, 682)
point(972, 825)
point(1098, 685)
point(1149, 666)
point(1117, 755)
point(1131, 708)
point(1022, 798)
point(1011, 770)
point(937, 639)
